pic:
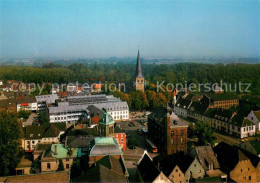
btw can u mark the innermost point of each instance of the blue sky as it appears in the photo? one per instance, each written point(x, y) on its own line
point(177, 28)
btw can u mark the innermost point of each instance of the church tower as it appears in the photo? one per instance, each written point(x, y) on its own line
point(139, 79)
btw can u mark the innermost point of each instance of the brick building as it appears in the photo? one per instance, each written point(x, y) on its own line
point(221, 100)
point(167, 131)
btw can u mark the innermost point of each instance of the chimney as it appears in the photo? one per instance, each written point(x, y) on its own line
point(55, 149)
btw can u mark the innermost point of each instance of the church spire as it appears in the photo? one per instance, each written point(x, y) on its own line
point(138, 67)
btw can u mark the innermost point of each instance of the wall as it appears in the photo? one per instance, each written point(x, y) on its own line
point(177, 175)
point(196, 170)
point(242, 172)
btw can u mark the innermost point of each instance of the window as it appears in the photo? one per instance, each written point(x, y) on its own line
point(33, 141)
point(176, 170)
point(67, 166)
point(28, 142)
point(48, 166)
point(181, 140)
point(172, 133)
point(122, 140)
point(182, 132)
point(199, 171)
point(31, 135)
point(249, 177)
point(67, 159)
point(241, 170)
point(194, 165)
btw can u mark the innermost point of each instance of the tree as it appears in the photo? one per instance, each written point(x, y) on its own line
point(61, 166)
point(44, 119)
point(11, 134)
point(204, 133)
point(24, 114)
point(132, 142)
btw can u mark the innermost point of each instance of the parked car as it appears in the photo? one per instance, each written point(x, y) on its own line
point(130, 124)
point(144, 131)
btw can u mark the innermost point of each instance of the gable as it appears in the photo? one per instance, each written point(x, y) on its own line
point(195, 166)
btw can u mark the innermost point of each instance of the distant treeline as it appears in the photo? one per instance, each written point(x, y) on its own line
point(175, 73)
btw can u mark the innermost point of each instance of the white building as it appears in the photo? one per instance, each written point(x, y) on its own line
point(27, 104)
point(67, 113)
point(254, 117)
point(39, 134)
point(43, 100)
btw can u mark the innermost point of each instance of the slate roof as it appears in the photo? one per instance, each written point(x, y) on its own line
point(206, 156)
point(114, 164)
point(241, 121)
point(168, 163)
point(222, 96)
point(38, 132)
point(159, 115)
point(34, 132)
point(78, 141)
point(256, 145)
point(257, 114)
point(198, 107)
point(26, 100)
point(138, 72)
point(52, 131)
point(228, 156)
point(101, 173)
point(147, 168)
point(220, 114)
point(184, 102)
point(253, 158)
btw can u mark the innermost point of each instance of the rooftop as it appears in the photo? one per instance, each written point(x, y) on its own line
point(61, 177)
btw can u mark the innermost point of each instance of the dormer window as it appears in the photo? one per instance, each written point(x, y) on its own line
point(31, 135)
point(39, 135)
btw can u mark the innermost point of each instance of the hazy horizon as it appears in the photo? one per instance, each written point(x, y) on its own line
point(103, 29)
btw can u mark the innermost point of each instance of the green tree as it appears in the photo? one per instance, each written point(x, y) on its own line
point(61, 166)
point(132, 142)
point(24, 114)
point(204, 133)
point(11, 134)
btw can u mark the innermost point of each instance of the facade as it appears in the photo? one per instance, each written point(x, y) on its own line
point(234, 162)
point(35, 134)
point(208, 160)
point(183, 163)
point(222, 100)
point(139, 78)
point(23, 167)
point(254, 117)
point(76, 107)
point(148, 172)
point(44, 100)
point(120, 137)
point(51, 158)
point(27, 104)
point(167, 131)
point(182, 105)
